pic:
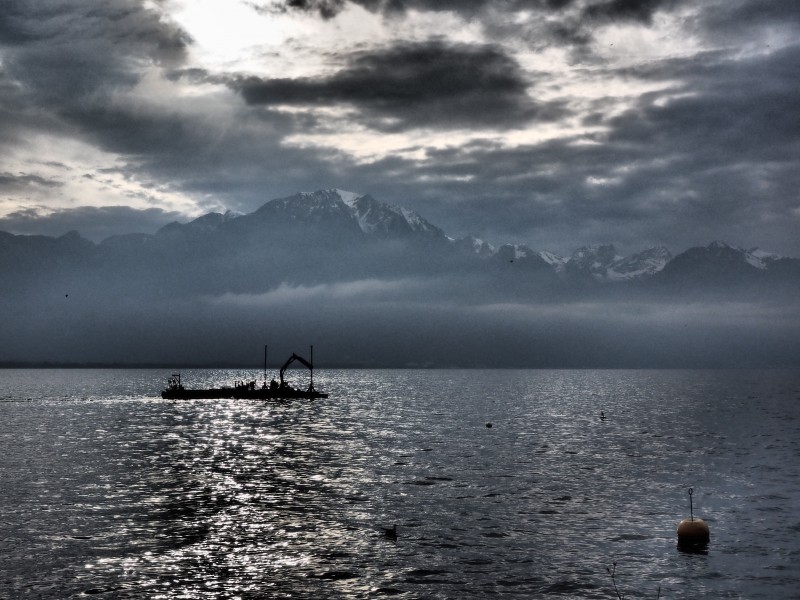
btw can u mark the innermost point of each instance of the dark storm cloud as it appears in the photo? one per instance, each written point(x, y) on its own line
point(739, 17)
point(626, 10)
point(431, 84)
point(14, 29)
point(712, 162)
point(741, 120)
point(590, 10)
point(10, 182)
point(68, 60)
point(330, 8)
point(63, 51)
point(94, 223)
point(712, 156)
point(71, 68)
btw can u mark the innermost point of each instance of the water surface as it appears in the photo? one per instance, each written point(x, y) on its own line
point(109, 491)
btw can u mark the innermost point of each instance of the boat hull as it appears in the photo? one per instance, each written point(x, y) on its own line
point(241, 394)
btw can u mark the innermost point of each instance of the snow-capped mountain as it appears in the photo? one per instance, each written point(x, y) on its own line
point(348, 208)
point(204, 224)
point(597, 263)
point(591, 262)
point(719, 263)
point(343, 211)
point(639, 266)
point(761, 259)
point(522, 256)
point(377, 217)
point(323, 207)
point(475, 245)
point(514, 252)
point(554, 260)
point(332, 235)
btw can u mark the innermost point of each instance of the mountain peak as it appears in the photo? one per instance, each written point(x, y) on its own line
point(754, 257)
point(720, 245)
point(762, 257)
point(476, 245)
point(592, 261)
point(643, 264)
point(348, 198)
point(362, 211)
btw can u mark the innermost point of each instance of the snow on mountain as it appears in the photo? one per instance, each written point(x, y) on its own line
point(374, 216)
point(718, 264)
point(639, 265)
point(475, 244)
point(599, 262)
point(371, 215)
point(204, 224)
point(755, 261)
point(515, 252)
point(512, 252)
point(212, 221)
point(417, 223)
point(554, 260)
point(592, 261)
point(761, 259)
point(347, 197)
point(356, 212)
point(764, 255)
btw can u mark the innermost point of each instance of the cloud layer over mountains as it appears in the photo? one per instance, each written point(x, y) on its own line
point(370, 284)
point(559, 122)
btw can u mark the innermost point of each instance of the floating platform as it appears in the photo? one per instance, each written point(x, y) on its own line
point(248, 390)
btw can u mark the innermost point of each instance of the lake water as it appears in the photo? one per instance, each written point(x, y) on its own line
point(110, 492)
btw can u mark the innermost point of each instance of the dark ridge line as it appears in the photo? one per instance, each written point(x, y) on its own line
point(788, 364)
point(33, 364)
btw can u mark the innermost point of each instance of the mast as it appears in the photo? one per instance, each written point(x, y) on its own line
point(265, 363)
point(312, 367)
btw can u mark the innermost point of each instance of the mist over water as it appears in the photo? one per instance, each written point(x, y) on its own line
point(372, 286)
point(112, 492)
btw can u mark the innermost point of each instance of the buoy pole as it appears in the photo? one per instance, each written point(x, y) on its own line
point(693, 534)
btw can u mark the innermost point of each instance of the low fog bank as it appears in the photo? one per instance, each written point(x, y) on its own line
point(188, 297)
point(404, 322)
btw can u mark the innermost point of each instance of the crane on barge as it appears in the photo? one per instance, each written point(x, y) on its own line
point(243, 390)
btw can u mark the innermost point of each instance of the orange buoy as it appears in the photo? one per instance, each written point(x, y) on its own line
point(693, 533)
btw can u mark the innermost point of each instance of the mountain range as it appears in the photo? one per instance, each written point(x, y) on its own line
point(380, 285)
point(332, 234)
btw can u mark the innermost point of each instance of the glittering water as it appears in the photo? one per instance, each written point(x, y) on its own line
point(109, 491)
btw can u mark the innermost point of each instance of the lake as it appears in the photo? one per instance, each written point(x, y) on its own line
point(111, 492)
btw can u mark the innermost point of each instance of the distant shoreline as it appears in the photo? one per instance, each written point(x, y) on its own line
point(11, 364)
point(254, 367)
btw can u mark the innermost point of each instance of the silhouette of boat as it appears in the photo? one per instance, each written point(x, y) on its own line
point(249, 390)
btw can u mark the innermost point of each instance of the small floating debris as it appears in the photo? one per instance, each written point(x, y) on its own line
point(693, 534)
point(489, 425)
point(337, 575)
point(391, 533)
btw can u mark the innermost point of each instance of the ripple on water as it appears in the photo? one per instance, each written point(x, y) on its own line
point(124, 495)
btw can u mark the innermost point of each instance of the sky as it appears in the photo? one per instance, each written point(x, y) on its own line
point(554, 123)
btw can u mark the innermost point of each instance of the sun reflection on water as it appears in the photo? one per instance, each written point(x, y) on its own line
point(138, 497)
